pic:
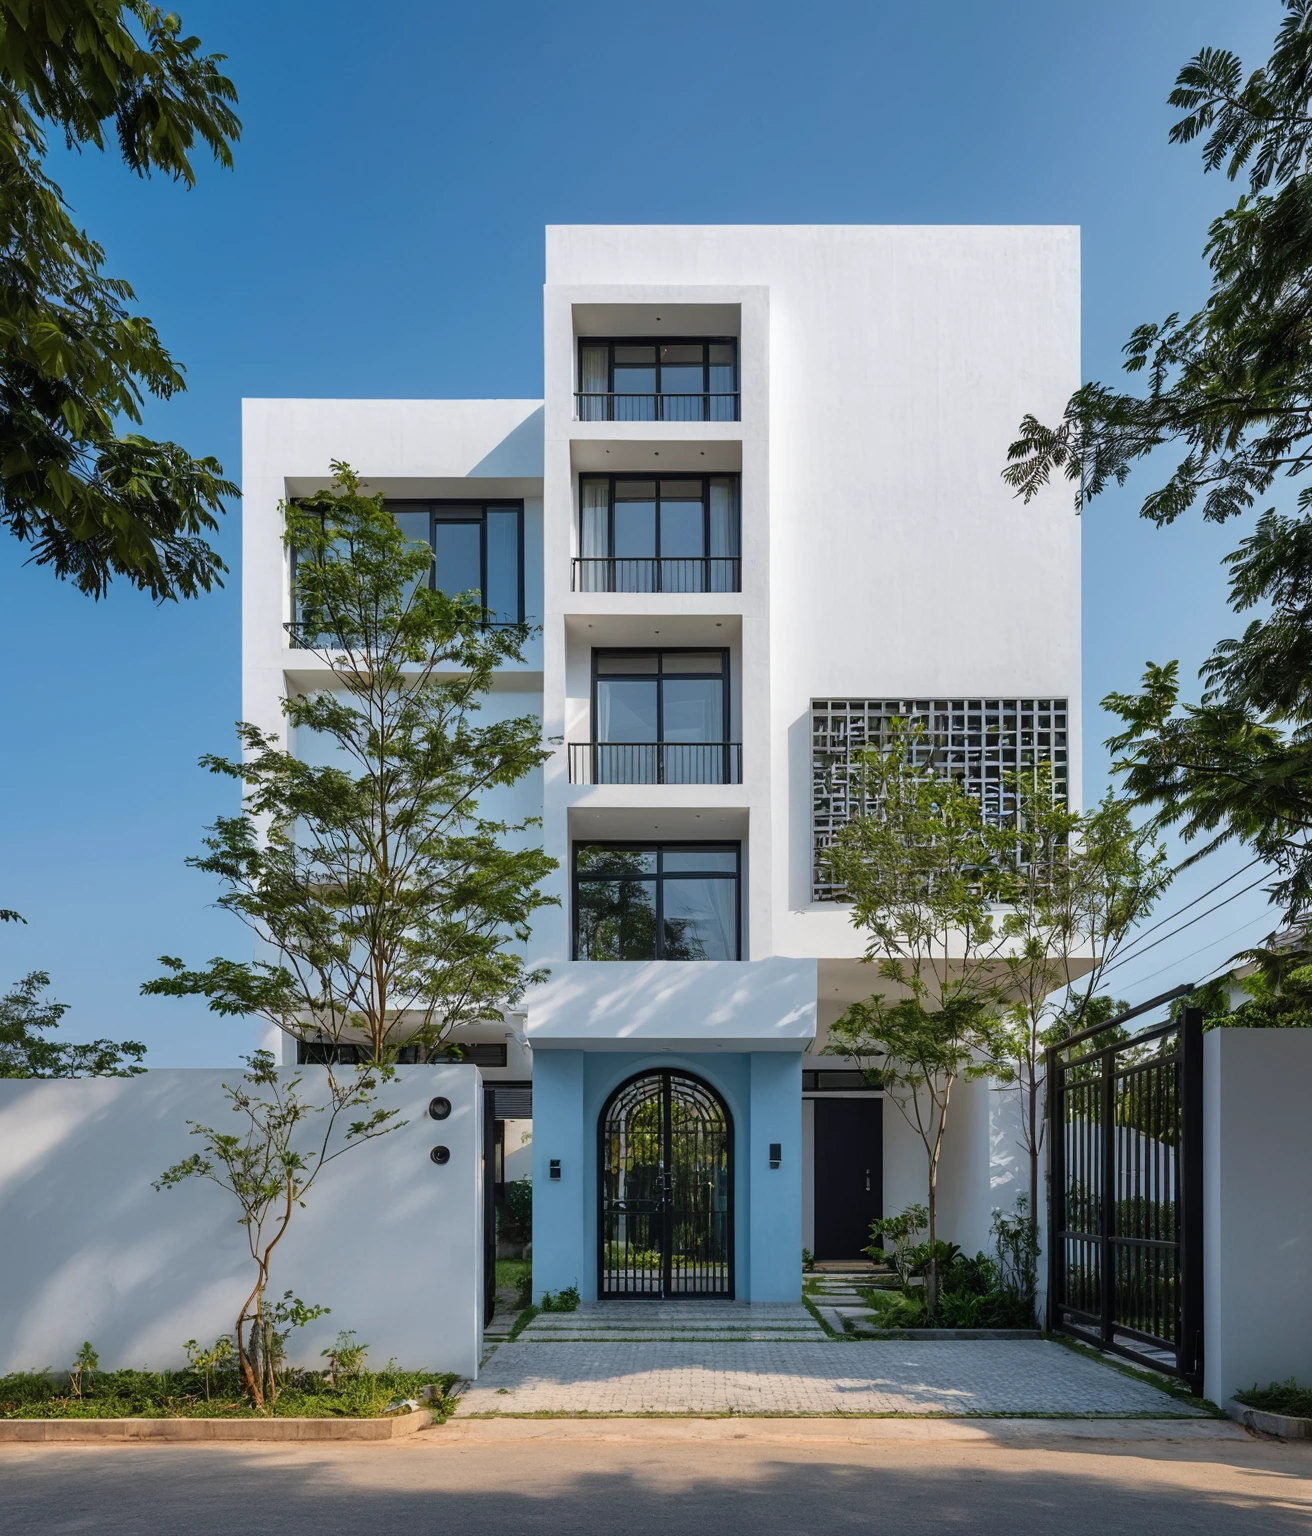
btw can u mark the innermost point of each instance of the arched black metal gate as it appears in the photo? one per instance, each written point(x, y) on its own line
point(665, 1177)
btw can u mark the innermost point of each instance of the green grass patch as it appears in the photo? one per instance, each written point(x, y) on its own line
point(830, 1332)
point(1279, 1397)
point(181, 1395)
point(516, 1275)
point(522, 1322)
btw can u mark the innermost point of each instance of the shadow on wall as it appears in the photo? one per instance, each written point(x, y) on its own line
point(388, 1240)
point(692, 1000)
point(801, 849)
point(518, 456)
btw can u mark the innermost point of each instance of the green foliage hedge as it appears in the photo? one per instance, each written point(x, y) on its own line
point(1279, 1397)
point(181, 1395)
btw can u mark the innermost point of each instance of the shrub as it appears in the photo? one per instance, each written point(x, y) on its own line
point(902, 1231)
point(515, 1222)
point(1280, 1397)
point(345, 1359)
point(566, 1301)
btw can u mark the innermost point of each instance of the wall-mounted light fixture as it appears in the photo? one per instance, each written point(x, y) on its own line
point(776, 1153)
point(439, 1108)
point(441, 1155)
point(553, 1171)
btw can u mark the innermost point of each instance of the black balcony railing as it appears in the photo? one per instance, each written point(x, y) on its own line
point(655, 762)
point(612, 407)
point(719, 573)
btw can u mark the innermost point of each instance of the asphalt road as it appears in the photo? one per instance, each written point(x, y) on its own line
point(716, 1478)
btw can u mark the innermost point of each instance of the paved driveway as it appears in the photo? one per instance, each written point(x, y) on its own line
point(822, 1377)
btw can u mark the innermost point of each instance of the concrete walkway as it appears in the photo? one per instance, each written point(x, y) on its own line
point(600, 1374)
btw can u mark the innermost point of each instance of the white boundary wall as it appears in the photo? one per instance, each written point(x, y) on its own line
point(1257, 1208)
point(89, 1250)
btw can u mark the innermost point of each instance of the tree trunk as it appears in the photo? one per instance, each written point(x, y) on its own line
point(250, 1378)
point(931, 1269)
point(1034, 1148)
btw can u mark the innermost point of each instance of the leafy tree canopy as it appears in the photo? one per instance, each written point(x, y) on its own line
point(1228, 391)
point(93, 502)
point(27, 1052)
point(388, 908)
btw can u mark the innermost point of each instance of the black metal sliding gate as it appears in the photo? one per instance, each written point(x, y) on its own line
point(1125, 1256)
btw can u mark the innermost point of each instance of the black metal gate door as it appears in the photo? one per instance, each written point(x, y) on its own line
point(1125, 1256)
point(665, 1171)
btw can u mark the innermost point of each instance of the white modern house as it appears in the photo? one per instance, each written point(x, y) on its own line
point(756, 516)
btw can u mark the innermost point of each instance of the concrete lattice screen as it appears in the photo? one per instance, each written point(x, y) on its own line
point(980, 742)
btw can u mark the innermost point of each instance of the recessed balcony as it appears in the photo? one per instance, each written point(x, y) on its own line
point(655, 762)
point(644, 533)
point(639, 379)
point(659, 717)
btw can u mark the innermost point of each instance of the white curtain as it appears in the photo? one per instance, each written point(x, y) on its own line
point(594, 380)
point(725, 540)
point(701, 919)
point(594, 533)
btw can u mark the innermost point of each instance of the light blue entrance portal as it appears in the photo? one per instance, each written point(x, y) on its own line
point(763, 1093)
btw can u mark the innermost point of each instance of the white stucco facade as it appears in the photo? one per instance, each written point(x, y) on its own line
point(880, 373)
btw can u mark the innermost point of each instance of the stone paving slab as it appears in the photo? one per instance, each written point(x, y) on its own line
point(680, 1320)
point(879, 1377)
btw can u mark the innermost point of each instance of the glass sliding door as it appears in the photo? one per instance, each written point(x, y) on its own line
point(683, 535)
point(634, 536)
point(634, 383)
point(644, 379)
point(662, 717)
point(668, 535)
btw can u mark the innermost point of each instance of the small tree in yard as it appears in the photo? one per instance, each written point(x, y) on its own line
point(1078, 885)
point(390, 906)
point(924, 869)
point(269, 1166)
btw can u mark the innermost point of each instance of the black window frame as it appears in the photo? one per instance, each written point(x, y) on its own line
point(638, 478)
point(660, 652)
point(705, 342)
point(446, 510)
point(660, 847)
point(488, 1054)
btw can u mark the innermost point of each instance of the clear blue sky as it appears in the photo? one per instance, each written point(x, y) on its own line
point(382, 235)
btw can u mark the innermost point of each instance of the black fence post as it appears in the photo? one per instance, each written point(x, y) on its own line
point(1190, 1344)
point(1055, 1090)
point(489, 1204)
point(1107, 1202)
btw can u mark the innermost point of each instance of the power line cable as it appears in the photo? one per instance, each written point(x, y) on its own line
point(1138, 954)
point(1199, 951)
point(1171, 916)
